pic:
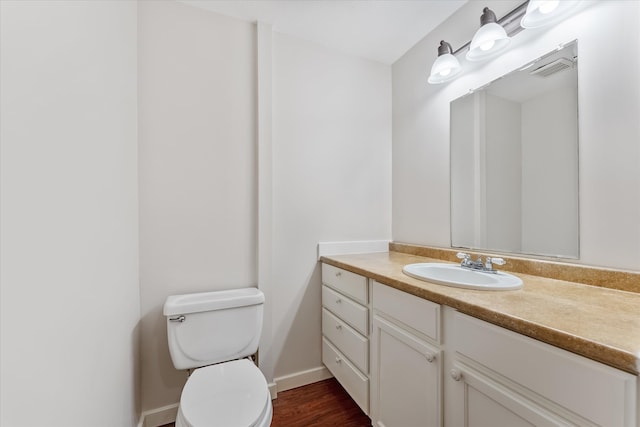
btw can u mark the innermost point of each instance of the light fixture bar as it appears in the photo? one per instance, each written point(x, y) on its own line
point(510, 22)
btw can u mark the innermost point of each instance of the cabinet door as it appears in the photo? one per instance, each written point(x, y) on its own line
point(405, 378)
point(579, 390)
point(479, 401)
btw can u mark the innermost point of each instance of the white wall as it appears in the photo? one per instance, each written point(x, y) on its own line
point(485, 208)
point(465, 142)
point(609, 106)
point(503, 171)
point(549, 173)
point(198, 189)
point(329, 171)
point(331, 179)
point(69, 219)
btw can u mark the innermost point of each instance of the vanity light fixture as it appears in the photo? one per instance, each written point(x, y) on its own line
point(544, 12)
point(446, 66)
point(489, 40)
point(494, 34)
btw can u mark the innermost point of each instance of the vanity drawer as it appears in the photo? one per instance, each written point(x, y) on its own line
point(356, 384)
point(348, 283)
point(351, 312)
point(595, 391)
point(348, 340)
point(413, 311)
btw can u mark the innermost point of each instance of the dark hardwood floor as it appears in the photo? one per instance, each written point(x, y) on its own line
point(324, 403)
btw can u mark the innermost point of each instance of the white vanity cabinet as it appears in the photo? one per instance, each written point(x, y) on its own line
point(345, 331)
point(410, 362)
point(501, 378)
point(406, 362)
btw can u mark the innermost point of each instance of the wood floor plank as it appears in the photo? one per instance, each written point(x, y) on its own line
point(324, 403)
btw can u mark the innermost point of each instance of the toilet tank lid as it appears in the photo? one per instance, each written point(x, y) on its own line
point(208, 301)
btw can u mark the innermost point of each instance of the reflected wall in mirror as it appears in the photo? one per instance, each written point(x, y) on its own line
point(514, 161)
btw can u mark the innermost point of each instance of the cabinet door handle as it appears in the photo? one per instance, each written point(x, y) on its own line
point(430, 357)
point(338, 360)
point(338, 327)
point(338, 273)
point(338, 301)
point(455, 374)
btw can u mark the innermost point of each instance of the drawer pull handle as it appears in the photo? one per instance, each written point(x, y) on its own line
point(430, 357)
point(338, 360)
point(338, 301)
point(338, 273)
point(455, 374)
point(338, 327)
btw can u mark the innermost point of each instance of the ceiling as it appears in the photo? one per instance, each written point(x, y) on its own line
point(381, 30)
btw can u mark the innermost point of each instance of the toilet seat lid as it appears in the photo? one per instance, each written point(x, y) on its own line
point(227, 394)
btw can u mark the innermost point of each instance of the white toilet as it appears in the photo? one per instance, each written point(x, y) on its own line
point(216, 332)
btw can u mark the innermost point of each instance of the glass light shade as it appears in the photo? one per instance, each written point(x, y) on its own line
point(544, 12)
point(445, 68)
point(489, 40)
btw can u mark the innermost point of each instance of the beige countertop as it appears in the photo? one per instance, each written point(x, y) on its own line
point(599, 323)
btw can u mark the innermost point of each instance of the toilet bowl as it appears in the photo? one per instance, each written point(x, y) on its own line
point(215, 333)
point(231, 394)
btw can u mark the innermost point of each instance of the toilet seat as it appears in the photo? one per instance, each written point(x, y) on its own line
point(230, 394)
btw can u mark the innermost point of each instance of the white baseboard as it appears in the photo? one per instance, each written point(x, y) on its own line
point(159, 416)
point(167, 414)
point(357, 247)
point(273, 390)
point(299, 379)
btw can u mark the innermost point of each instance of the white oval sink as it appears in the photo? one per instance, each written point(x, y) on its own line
point(454, 275)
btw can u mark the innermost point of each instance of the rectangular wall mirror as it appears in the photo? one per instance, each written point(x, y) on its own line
point(514, 161)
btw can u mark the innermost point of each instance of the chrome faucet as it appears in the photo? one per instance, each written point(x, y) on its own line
point(478, 265)
point(466, 261)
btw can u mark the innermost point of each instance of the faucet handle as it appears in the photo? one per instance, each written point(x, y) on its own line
point(463, 256)
point(488, 265)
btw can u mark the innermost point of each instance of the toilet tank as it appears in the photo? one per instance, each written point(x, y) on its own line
point(211, 327)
